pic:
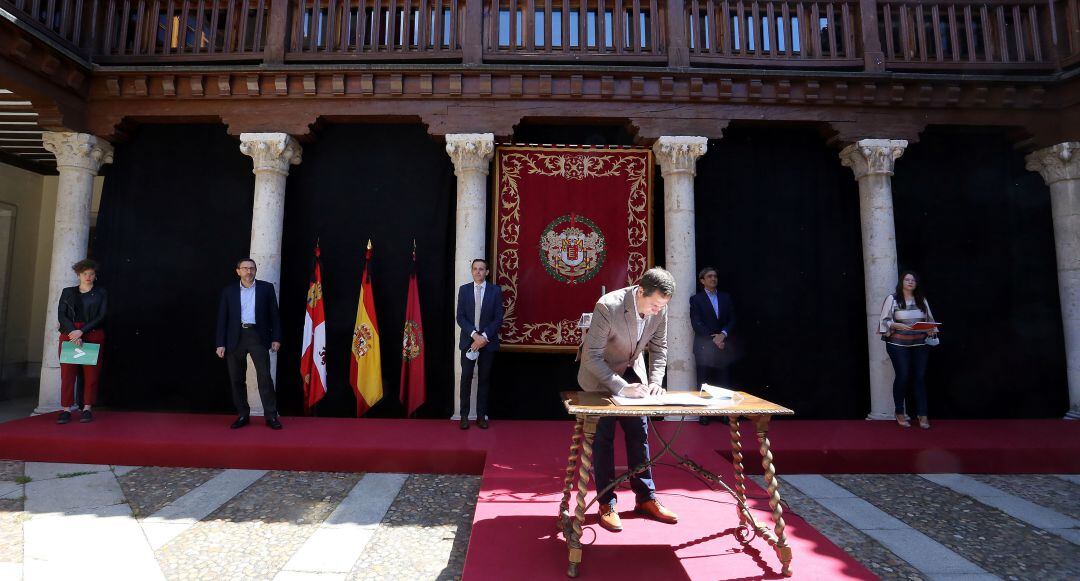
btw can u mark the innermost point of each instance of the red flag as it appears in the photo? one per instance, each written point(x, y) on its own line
point(313, 352)
point(365, 367)
point(413, 388)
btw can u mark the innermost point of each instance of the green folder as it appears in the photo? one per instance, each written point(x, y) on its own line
point(87, 354)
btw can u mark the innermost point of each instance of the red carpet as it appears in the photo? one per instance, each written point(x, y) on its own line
point(522, 464)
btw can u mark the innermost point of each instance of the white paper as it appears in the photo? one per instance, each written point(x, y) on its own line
point(685, 399)
point(717, 392)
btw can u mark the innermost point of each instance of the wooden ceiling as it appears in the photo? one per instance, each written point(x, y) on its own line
point(20, 136)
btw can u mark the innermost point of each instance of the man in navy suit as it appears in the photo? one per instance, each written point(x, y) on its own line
point(479, 339)
point(248, 323)
point(712, 316)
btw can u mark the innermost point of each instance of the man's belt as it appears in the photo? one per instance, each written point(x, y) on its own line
point(247, 325)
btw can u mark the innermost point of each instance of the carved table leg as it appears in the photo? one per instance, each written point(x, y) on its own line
point(779, 542)
point(573, 542)
point(740, 473)
point(571, 472)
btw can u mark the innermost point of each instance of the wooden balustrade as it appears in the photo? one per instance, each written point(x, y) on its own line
point(968, 34)
point(65, 22)
point(776, 33)
point(575, 30)
point(997, 35)
point(191, 30)
point(388, 29)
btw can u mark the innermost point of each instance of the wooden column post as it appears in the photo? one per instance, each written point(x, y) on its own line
point(678, 47)
point(472, 33)
point(873, 57)
point(276, 31)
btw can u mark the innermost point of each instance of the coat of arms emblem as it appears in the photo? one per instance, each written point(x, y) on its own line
point(361, 343)
point(572, 249)
point(411, 341)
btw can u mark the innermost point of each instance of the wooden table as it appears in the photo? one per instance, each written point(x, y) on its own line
point(588, 407)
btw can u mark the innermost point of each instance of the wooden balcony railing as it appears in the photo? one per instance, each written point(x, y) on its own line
point(575, 30)
point(777, 33)
point(396, 29)
point(193, 30)
point(968, 34)
point(987, 35)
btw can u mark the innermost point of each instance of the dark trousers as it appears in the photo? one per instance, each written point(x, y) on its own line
point(636, 436)
point(717, 376)
point(482, 365)
point(909, 363)
point(250, 343)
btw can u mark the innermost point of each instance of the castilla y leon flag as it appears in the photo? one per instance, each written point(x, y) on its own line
point(313, 353)
point(413, 389)
point(365, 366)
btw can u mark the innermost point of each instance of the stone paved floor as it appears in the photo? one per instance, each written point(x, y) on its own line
point(254, 531)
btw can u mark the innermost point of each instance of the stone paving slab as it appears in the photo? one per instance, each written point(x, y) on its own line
point(79, 494)
point(9, 490)
point(996, 542)
point(881, 561)
point(425, 533)
point(103, 544)
point(151, 488)
point(1014, 506)
point(124, 470)
point(11, 571)
point(49, 470)
point(1047, 490)
point(10, 469)
point(1074, 478)
point(342, 538)
point(253, 535)
point(172, 520)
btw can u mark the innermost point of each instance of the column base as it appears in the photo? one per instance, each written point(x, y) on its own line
point(1073, 414)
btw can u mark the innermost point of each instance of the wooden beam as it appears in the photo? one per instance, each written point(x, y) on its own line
point(37, 167)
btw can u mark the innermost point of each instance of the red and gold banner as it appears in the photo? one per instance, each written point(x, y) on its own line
point(570, 222)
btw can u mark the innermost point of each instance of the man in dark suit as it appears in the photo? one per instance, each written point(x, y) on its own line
point(479, 339)
point(712, 315)
point(625, 324)
point(248, 323)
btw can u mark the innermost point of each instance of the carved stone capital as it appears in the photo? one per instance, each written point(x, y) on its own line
point(78, 150)
point(1057, 162)
point(679, 154)
point(470, 151)
point(273, 152)
point(868, 157)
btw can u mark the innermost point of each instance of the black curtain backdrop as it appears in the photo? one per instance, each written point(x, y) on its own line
point(778, 217)
point(977, 226)
point(175, 215)
point(392, 184)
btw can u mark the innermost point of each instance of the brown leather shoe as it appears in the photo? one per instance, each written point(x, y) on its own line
point(609, 518)
point(656, 511)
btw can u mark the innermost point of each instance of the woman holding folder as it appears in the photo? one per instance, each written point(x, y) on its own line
point(81, 313)
point(907, 326)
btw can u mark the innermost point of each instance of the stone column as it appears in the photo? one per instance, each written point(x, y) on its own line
point(471, 154)
point(271, 154)
point(677, 157)
point(79, 156)
point(1059, 165)
point(872, 161)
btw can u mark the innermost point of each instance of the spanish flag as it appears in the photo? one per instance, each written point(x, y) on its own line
point(365, 365)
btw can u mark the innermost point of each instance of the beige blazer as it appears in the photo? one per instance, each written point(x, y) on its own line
point(611, 346)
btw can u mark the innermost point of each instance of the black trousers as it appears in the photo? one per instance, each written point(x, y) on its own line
point(236, 359)
point(482, 365)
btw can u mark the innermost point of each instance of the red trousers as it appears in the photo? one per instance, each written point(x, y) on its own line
point(69, 371)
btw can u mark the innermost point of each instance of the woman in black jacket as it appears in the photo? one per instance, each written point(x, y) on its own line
point(81, 313)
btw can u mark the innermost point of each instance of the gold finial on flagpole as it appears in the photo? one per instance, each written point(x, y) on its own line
point(369, 243)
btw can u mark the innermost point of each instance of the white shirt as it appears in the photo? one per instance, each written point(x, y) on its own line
point(247, 304)
point(483, 287)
